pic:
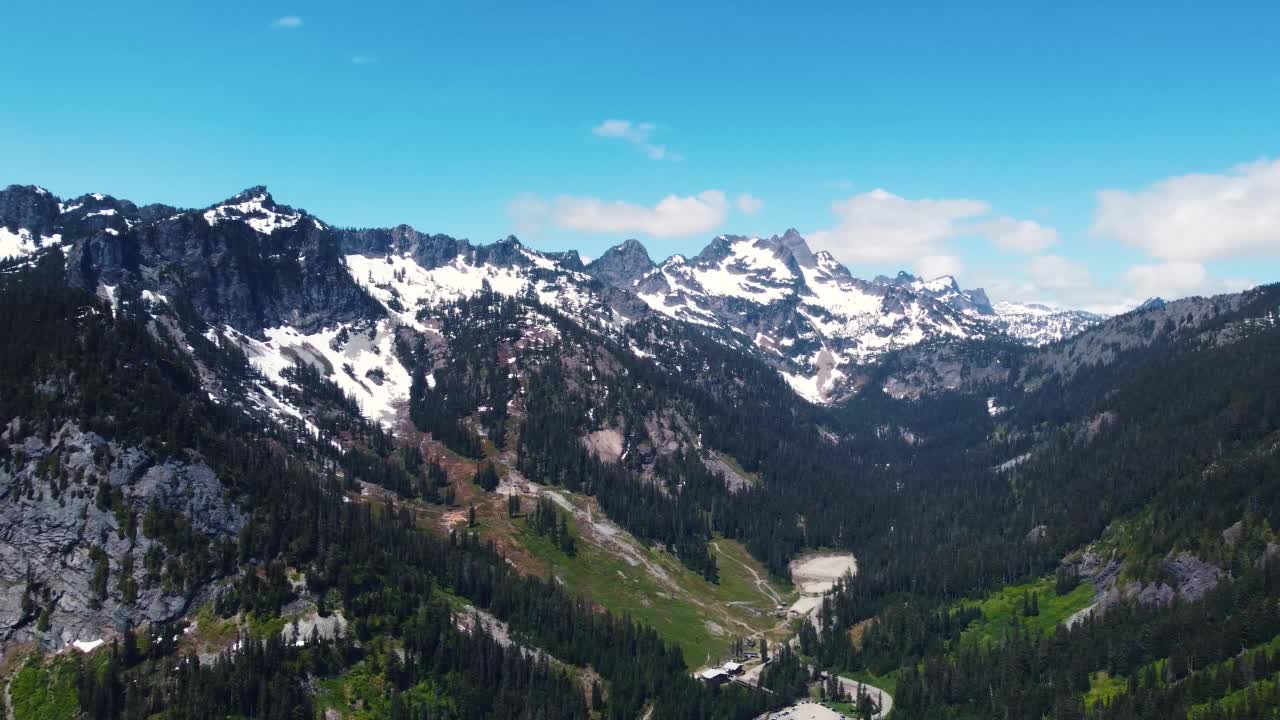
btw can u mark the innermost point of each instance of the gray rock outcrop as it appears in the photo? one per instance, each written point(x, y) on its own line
point(57, 523)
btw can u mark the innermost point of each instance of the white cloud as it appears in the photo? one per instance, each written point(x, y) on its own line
point(1197, 217)
point(636, 134)
point(935, 266)
point(1058, 282)
point(1054, 272)
point(1024, 236)
point(673, 216)
point(749, 204)
point(1169, 280)
point(1062, 282)
point(625, 129)
point(288, 22)
point(879, 226)
point(1180, 279)
point(528, 213)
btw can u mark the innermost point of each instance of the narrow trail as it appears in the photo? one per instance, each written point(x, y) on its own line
point(8, 700)
point(765, 589)
point(603, 533)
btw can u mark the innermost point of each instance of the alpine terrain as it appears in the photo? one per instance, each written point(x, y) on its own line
point(255, 465)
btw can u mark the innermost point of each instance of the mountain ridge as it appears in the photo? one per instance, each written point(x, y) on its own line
point(269, 265)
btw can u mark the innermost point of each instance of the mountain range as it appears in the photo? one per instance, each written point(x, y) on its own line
point(255, 465)
point(273, 273)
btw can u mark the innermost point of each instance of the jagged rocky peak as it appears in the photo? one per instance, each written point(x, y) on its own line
point(26, 206)
point(258, 194)
point(622, 265)
point(945, 289)
point(979, 297)
point(771, 261)
point(509, 252)
point(425, 249)
point(256, 208)
point(902, 279)
point(793, 242)
point(568, 259)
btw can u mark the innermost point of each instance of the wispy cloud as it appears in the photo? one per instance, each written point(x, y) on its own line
point(638, 134)
point(1024, 236)
point(528, 213)
point(879, 227)
point(363, 59)
point(288, 22)
point(673, 216)
point(935, 266)
point(749, 204)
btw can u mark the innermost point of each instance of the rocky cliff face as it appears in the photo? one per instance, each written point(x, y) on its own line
point(246, 262)
point(1185, 578)
point(622, 265)
point(76, 562)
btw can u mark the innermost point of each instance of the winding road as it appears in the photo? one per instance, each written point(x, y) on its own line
point(813, 711)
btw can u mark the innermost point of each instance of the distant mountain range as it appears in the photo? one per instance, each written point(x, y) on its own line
point(261, 269)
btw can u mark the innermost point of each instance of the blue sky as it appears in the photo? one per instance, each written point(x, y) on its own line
point(967, 137)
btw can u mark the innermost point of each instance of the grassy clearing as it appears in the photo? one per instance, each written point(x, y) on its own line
point(702, 617)
point(1003, 609)
point(363, 692)
point(215, 630)
point(46, 690)
point(358, 694)
point(1238, 702)
point(735, 578)
point(1103, 688)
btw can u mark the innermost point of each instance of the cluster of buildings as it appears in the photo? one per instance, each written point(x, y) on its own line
point(722, 674)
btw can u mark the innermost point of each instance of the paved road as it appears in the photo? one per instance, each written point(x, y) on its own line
point(885, 699)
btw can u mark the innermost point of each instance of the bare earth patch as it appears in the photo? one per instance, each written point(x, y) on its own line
point(817, 574)
point(605, 444)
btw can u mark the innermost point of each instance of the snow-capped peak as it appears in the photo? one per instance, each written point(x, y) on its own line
point(802, 309)
point(1040, 324)
point(257, 209)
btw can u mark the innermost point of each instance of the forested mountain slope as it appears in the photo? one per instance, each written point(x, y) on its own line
point(280, 468)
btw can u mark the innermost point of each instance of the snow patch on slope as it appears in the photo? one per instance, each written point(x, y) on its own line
point(361, 362)
point(404, 287)
point(22, 243)
point(1036, 324)
point(750, 272)
point(255, 212)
